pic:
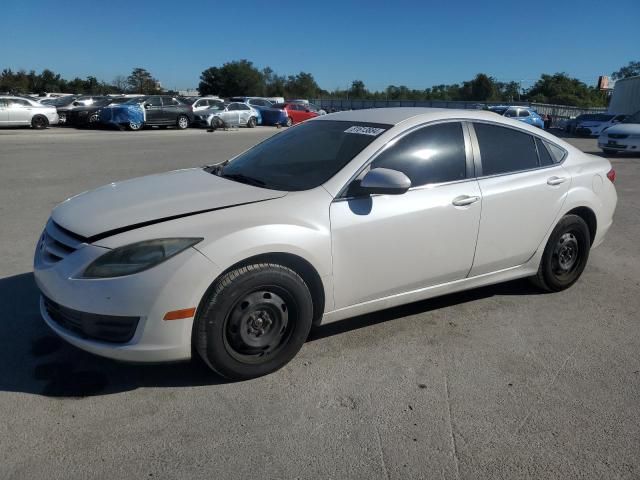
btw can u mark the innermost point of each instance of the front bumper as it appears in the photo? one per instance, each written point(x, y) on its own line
point(620, 145)
point(140, 301)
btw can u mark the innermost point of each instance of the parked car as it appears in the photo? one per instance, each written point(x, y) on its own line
point(257, 103)
point(65, 104)
point(327, 220)
point(85, 116)
point(150, 110)
point(522, 114)
point(227, 114)
point(311, 106)
point(596, 124)
point(571, 124)
point(201, 103)
point(17, 111)
point(296, 112)
point(622, 137)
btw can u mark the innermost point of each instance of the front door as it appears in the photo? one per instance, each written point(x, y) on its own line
point(384, 245)
point(20, 111)
point(523, 188)
point(153, 110)
point(169, 110)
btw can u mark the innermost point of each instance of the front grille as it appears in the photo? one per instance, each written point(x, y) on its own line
point(57, 243)
point(106, 328)
point(618, 135)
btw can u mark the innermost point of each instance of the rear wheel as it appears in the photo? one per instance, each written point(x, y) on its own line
point(289, 121)
point(39, 122)
point(182, 122)
point(251, 123)
point(565, 255)
point(253, 321)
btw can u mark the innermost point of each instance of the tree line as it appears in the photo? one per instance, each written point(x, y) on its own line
point(242, 78)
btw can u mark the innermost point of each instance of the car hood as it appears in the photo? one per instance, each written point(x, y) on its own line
point(625, 128)
point(139, 202)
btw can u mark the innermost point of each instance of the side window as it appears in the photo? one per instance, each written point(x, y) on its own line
point(169, 102)
point(432, 154)
point(18, 102)
point(242, 106)
point(523, 113)
point(153, 101)
point(3, 102)
point(512, 112)
point(543, 154)
point(505, 150)
point(556, 152)
point(232, 107)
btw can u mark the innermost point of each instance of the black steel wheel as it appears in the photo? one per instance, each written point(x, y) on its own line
point(565, 255)
point(253, 320)
point(39, 122)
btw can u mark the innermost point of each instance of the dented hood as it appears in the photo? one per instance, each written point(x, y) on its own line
point(134, 203)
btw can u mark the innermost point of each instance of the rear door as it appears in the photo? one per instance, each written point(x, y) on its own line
point(523, 188)
point(170, 110)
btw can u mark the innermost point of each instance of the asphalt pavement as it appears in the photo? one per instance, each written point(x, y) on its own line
point(501, 382)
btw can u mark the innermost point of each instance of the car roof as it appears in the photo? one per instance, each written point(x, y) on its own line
point(395, 115)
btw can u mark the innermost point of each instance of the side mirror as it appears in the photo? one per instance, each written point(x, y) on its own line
point(384, 181)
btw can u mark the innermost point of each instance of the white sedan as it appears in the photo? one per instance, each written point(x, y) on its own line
point(341, 215)
point(20, 111)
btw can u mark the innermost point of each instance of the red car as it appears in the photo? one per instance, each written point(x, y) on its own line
point(296, 112)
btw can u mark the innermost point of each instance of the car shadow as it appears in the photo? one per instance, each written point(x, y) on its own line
point(34, 360)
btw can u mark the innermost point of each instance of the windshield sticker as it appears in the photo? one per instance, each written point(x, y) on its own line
point(365, 130)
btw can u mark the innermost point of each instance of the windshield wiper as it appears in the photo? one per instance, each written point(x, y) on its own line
point(239, 177)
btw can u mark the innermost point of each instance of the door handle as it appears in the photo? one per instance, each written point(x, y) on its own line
point(556, 180)
point(464, 200)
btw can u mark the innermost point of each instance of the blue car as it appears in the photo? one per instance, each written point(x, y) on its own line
point(523, 114)
point(267, 115)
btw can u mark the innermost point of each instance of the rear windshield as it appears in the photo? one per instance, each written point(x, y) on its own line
point(499, 111)
point(302, 157)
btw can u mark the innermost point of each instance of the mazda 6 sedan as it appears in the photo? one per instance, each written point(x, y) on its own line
point(344, 214)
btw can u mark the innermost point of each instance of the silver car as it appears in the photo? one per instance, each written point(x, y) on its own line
point(17, 111)
point(227, 114)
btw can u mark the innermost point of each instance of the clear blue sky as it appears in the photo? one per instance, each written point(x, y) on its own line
point(413, 43)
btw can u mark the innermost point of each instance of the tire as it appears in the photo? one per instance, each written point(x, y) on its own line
point(135, 126)
point(289, 122)
point(252, 122)
point(39, 122)
point(565, 255)
point(182, 122)
point(253, 321)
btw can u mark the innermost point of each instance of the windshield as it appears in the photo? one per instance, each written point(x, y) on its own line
point(302, 157)
point(188, 101)
point(58, 102)
point(499, 111)
point(635, 118)
point(598, 118)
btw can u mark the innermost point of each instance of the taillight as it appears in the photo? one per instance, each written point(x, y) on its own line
point(611, 175)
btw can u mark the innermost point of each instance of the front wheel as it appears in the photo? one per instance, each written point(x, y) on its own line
point(289, 121)
point(182, 122)
point(565, 255)
point(135, 126)
point(251, 123)
point(253, 321)
point(39, 122)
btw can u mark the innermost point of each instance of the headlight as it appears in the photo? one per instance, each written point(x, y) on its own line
point(137, 257)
